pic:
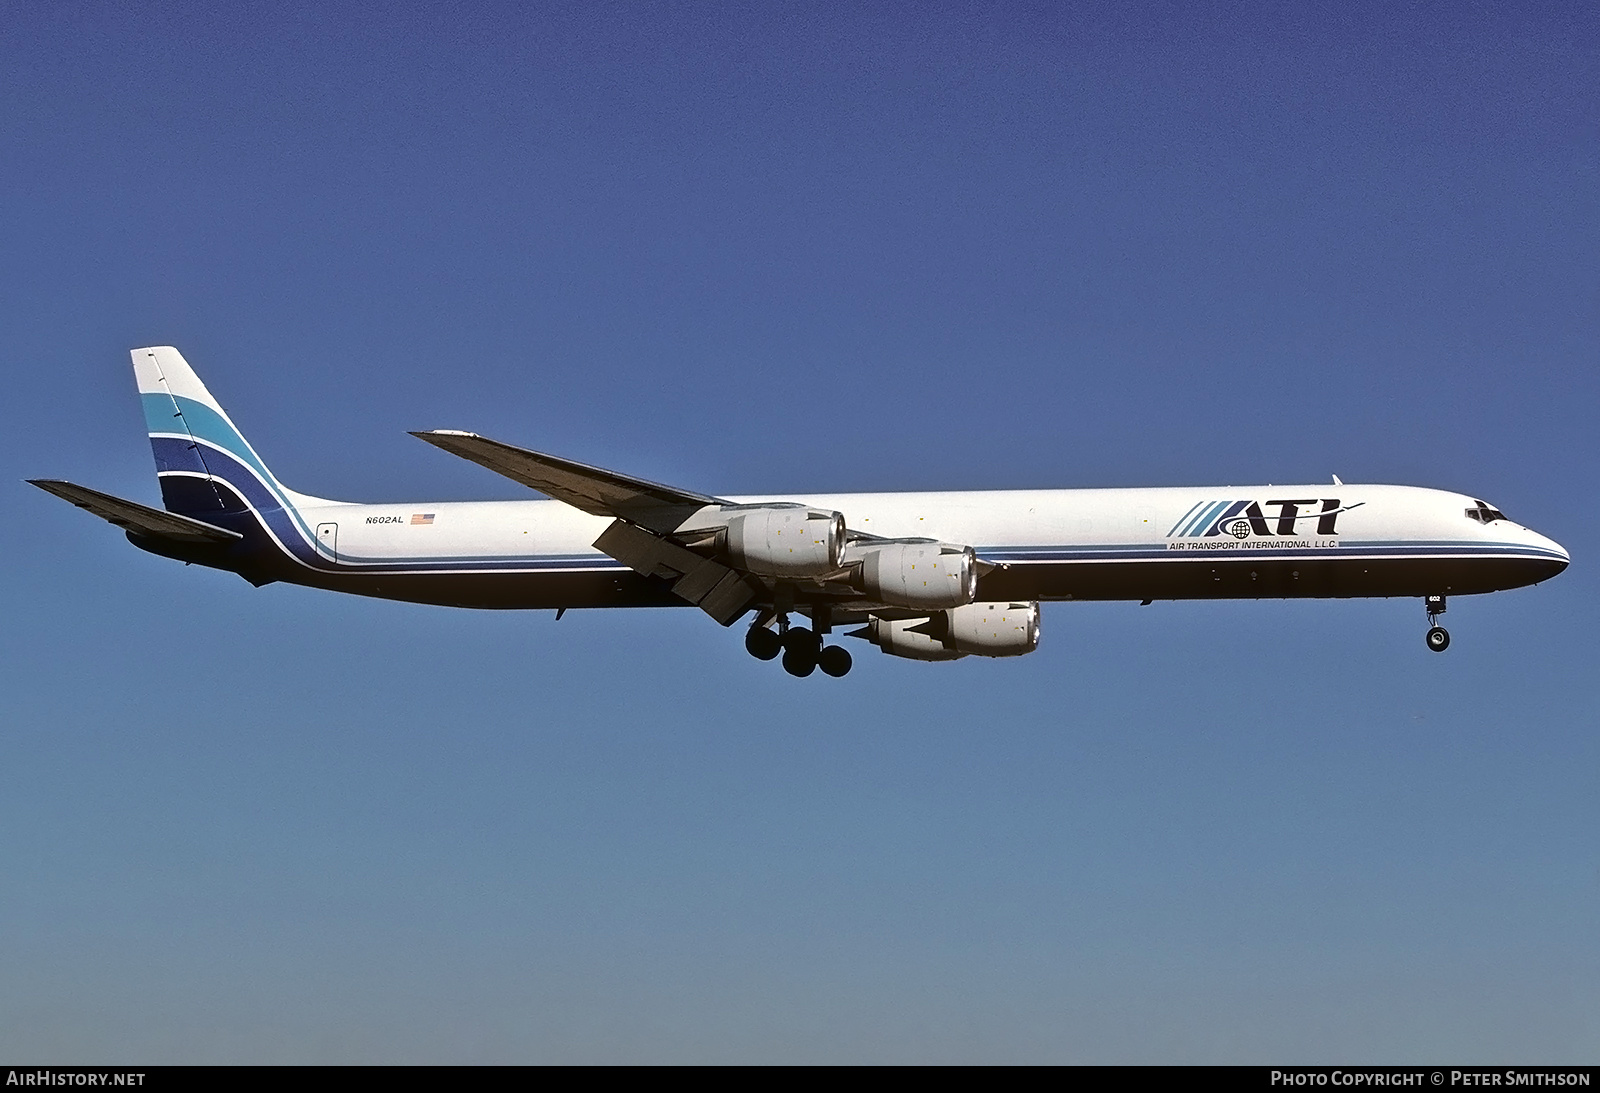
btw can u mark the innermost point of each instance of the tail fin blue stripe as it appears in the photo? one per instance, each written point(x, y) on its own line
point(201, 422)
point(282, 519)
point(179, 445)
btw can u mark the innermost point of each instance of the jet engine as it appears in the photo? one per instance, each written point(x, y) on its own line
point(990, 629)
point(784, 540)
point(983, 629)
point(918, 574)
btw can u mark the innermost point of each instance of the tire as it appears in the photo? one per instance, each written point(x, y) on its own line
point(1438, 639)
point(799, 662)
point(834, 661)
point(762, 643)
point(801, 640)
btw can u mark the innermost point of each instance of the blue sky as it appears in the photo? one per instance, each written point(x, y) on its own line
point(788, 248)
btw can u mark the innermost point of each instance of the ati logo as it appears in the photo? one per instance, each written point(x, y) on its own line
point(1241, 519)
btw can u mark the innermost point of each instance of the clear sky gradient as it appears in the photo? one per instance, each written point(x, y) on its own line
point(791, 247)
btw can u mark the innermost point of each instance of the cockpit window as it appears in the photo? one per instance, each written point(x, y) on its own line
point(1485, 514)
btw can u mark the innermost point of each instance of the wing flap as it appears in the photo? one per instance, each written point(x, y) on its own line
point(137, 518)
point(720, 592)
point(595, 490)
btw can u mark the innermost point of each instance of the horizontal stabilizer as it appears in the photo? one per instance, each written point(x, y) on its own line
point(137, 518)
point(594, 490)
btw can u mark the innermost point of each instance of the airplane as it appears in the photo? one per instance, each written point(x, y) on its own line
point(922, 576)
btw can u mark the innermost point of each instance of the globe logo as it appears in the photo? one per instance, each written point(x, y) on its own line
point(1239, 529)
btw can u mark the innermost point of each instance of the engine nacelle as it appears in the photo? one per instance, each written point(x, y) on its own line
point(992, 629)
point(917, 574)
point(898, 638)
point(983, 629)
point(783, 540)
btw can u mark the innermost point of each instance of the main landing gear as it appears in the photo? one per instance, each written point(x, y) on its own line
point(1438, 636)
point(802, 649)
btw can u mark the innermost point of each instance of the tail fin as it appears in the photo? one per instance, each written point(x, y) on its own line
point(204, 463)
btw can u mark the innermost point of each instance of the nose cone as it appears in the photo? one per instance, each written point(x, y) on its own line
point(1555, 555)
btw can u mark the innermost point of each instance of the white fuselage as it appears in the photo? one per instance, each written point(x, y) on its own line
point(1232, 541)
point(1377, 521)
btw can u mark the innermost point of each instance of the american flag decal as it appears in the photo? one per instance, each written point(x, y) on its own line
point(421, 518)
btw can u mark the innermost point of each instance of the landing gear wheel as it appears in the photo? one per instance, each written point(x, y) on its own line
point(834, 661)
point(762, 643)
point(799, 662)
point(1438, 639)
point(800, 640)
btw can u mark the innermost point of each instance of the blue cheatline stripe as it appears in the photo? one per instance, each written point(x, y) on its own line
point(1182, 518)
point(1349, 552)
point(1457, 545)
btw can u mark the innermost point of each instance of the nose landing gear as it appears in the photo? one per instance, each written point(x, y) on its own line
point(1438, 636)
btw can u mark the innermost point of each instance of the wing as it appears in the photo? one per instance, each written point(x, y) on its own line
point(661, 509)
point(655, 529)
point(645, 516)
point(137, 518)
